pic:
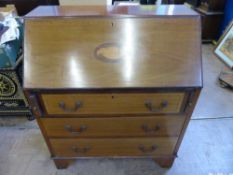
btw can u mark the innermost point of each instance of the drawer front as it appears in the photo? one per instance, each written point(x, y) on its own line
point(116, 126)
point(113, 147)
point(128, 103)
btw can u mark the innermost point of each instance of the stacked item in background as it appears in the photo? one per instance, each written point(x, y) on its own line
point(212, 13)
point(12, 99)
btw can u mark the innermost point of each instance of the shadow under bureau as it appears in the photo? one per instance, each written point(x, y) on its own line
point(116, 81)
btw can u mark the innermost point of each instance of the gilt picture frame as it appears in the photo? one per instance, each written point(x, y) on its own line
point(224, 48)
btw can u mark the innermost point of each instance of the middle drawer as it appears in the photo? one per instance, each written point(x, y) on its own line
point(115, 126)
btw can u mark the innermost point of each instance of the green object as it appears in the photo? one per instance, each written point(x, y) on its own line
point(9, 54)
point(9, 51)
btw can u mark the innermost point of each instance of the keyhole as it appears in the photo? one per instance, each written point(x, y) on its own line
point(112, 24)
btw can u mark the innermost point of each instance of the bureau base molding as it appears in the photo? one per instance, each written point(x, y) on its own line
point(63, 163)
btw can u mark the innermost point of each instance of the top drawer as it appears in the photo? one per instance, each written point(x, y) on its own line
point(118, 103)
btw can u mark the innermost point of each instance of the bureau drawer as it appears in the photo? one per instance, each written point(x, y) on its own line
point(123, 103)
point(113, 147)
point(116, 126)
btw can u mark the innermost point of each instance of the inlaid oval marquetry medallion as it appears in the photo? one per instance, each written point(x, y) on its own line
point(7, 86)
point(110, 52)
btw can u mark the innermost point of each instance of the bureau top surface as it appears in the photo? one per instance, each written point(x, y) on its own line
point(135, 10)
point(117, 51)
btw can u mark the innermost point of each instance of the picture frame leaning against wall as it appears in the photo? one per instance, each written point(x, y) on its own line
point(224, 47)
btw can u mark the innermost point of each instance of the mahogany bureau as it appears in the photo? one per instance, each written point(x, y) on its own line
point(112, 81)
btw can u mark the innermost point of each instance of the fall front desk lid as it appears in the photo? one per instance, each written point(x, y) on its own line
point(112, 51)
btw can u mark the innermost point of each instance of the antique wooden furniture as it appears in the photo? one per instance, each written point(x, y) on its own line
point(113, 81)
point(213, 5)
point(211, 23)
point(212, 13)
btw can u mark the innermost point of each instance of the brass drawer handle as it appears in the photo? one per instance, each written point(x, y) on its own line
point(149, 105)
point(151, 149)
point(80, 150)
point(149, 130)
point(70, 129)
point(63, 106)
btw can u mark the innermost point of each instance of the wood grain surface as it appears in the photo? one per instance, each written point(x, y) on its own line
point(113, 147)
point(115, 103)
point(113, 127)
point(59, 53)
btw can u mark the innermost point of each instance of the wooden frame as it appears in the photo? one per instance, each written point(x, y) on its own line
point(224, 48)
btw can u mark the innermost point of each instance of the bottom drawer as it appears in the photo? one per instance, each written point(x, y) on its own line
point(113, 147)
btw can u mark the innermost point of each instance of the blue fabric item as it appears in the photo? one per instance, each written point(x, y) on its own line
point(228, 15)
